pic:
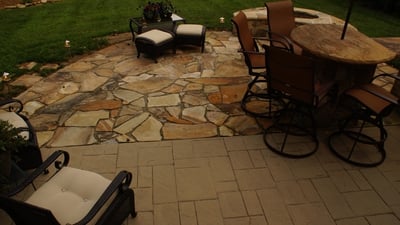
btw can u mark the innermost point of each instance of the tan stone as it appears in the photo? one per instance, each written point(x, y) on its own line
point(149, 130)
point(185, 131)
point(215, 98)
point(218, 118)
point(27, 80)
point(165, 100)
point(81, 119)
point(243, 124)
point(104, 125)
point(101, 104)
point(234, 93)
point(150, 85)
point(195, 114)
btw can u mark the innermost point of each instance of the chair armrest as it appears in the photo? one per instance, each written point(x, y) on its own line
point(120, 183)
point(281, 40)
point(396, 77)
point(42, 169)
point(250, 52)
point(394, 99)
point(12, 108)
point(388, 97)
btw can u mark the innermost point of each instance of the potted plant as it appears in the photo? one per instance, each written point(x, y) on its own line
point(10, 144)
point(158, 10)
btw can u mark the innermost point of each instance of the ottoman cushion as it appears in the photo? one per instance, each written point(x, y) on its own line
point(155, 36)
point(189, 29)
point(193, 34)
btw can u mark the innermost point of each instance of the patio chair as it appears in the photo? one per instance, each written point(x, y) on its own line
point(255, 62)
point(11, 111)
point(71, 196)
point(281, 21)
point(294, 131)
point(363, 144)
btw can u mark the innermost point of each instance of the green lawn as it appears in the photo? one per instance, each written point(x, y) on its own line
point(38, 33)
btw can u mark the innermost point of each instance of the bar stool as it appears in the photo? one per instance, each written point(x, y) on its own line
point(359, 145)
point(293, 133)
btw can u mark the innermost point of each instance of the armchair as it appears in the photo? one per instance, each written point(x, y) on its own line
point(71, 196)
point(11, 111)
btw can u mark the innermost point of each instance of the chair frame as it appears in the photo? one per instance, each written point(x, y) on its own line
point(295, 80)
point(24, 214)
point(367, 115)
point(30, 157)
point(250, 48)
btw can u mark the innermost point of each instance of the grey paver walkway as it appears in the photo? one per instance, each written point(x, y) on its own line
point(90, 108)
point(236, 180)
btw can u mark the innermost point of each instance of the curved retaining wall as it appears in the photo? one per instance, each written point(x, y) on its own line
point(257, 18)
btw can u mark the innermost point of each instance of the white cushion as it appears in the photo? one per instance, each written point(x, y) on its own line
point(16, 121)
point(70, 194)
point(157, 36)
point(189, 29)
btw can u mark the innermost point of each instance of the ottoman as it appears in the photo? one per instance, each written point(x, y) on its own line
point(153, 42)
point(192, 34)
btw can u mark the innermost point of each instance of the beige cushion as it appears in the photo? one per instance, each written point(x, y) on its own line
point(157, 36)
point(70, 194)
point(16, 121)
point(189, 29)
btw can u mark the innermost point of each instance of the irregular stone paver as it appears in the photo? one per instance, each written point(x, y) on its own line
point(149, 130)
point(90, 119)
point(185, 131)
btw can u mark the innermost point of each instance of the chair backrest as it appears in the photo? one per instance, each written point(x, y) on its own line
point(245, 37)
point(291, 74)
point(280, 17)
point(26, 214)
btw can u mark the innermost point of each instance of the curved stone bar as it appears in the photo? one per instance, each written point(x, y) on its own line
point(257, 18)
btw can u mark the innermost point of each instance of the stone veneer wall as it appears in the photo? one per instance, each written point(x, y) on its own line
point(257, 18)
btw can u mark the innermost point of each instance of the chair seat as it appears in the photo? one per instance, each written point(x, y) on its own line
point(70, 194)
point(16, 121)
point(371, 101)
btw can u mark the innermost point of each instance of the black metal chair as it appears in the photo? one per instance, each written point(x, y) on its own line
point(255, 62)
point(11, 111)
point(357, 143)
point(71, 196)
point(293, 132)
